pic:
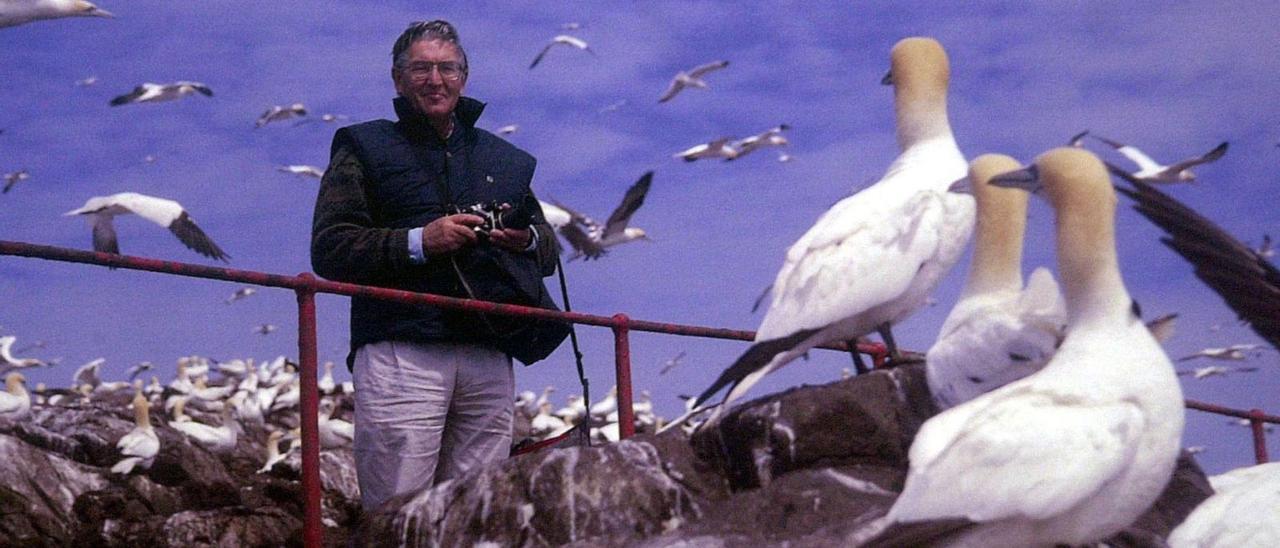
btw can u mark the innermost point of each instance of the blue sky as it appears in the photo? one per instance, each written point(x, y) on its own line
point(1173, 80)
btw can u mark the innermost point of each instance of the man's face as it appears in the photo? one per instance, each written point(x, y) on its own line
point(429, 90)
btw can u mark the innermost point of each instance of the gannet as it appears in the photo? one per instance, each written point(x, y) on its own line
point(87, 81)
point(999, 331)
point(1266, 426)
point(693, 78)
point(280, 112)
point(609, 404)
point(14, 178)
point(671, 363)
point(166, 213)
point(508, 129)
point(17, 12)
point(1214, 370)
point(202, 390)
point(1235, 352)
point(588, 237)
point(148, 92)
point(1151, 171)
point(326, 384)
point(8, 362)
point(240, 294)
point(771, 137)
point(15, 402)
point(719, 148)
point(1249, 283)
point(1241, 512)
point(562, 39)
point(573, 410)
point(544, 423)
point(136, 370)
point(87, 374)
point(612, 106)
point(1076, 452)
point(302, 170)
point(219, 440)
point(265, 329)
point(334, 433)
point(234, 369)
point(784, 157)
point(273, 451)
point(141, 445)
point(153, 389)
point(288, 398)
point(327, 118)
point(873, 258)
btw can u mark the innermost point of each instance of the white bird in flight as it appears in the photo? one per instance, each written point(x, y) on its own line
point(999, 331)
point(17, 12)
point(8, 362)
point(1154, 172)
point(166, 213)
point(327, 118)
point(14, 178)
point(241, 293)
point(562, 39)
point(693, 78)
point(279, 113)
point(1078, 451)
point(1235, 352)
point(265, 329)
point(719, 148)
point(589, 238)
point(1214, 370)
point(148, 92)
point(508, 129)
point(302, 170)
point(874, 257)
point(87, 81)
point(771, 137)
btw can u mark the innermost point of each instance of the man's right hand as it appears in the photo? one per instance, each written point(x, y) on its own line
point(450, 233)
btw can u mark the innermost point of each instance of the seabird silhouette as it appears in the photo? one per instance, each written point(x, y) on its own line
point(166, 213)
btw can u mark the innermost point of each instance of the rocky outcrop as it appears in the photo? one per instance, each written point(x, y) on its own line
point(813, 466)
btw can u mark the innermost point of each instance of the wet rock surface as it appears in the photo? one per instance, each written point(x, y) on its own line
point(813, 466)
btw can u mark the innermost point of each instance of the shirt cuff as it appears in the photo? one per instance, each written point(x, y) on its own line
point(533, 242)
point(416, 254)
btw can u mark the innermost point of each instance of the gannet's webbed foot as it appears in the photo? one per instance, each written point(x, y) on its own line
point(858, 364)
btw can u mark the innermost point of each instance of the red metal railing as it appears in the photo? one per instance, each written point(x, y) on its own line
point(306, 285)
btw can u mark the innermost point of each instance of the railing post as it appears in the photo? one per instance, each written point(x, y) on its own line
point(1259, 436)
point(312, 529)
point(622, 369)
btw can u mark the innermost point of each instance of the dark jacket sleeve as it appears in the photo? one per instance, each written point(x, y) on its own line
point(346, 245)
point(548, 247)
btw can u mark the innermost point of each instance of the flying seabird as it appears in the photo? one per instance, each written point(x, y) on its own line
point(1153, 172)
point(671, 363)
point(148, 92)
point(1235, 352)
point(1214, 370)
point(87, 374)
point(138, 369)
point(508, 129)
point(141, 445)
point(265, 329)
point(612, 106)
point(8, 362)
point(1249, 283)
point(872, 259)
point(562, 39)
point(17, 12)
point(771, 137)
point(1000, 330)
point(85, 82)
point(327, 118)
point(166, 213)
point(1078, 451)
point(14, 178)
point(693, 78)
point(784, 157)
point(1241, 511)
point(241, 293)
point(590, 239)
point(303, 170)
point(279, 113)
point(719, 148)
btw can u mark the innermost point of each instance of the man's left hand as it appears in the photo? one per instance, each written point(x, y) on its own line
point(511, 239)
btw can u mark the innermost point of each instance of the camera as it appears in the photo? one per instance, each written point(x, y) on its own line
point(495, 215)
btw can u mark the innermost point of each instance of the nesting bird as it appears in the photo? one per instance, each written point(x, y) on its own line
point(874, 257)
point(15, 402)
point(1076, 452)
point(166, 213)
point(141, 445)
point(17, 12)
point(148, 92)
point(1241, 511)
point(999, 330)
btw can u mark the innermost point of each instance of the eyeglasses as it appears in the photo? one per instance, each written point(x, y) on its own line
point(419, 72)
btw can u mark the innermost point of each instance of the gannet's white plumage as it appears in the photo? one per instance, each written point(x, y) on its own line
point(719, 148)
point(303, 170)
point(148, 92)
point(1152, 171)
point(13, 178)
point(17, 12)
point(280, 112)
point(562, 39)
point(166, 213)
point(1214, 370)
point(1235, 352)
point(999, 331)
point(693, 78)
point(334, 433)
point(141, 445)
point(87, 374)
point(8, 362)
point(219, 439)
point(240, 294)
point(1076, 452)
point(588, 237)
point(874, 257)
point(273, 451)
point(15, 402)
point(1241, 512)
point(771, 137)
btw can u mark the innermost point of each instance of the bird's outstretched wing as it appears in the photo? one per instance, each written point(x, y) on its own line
point(580, 242)
point(104, 235)
point(1145, 163)
point(1207, 157)
point(191, 235)
point(632, 201)
point(1247, 282)
point(129, 97)
point(758, 356)
point(700, 70)
point(676, 86)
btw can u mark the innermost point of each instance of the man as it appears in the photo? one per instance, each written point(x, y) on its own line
point(433, 392)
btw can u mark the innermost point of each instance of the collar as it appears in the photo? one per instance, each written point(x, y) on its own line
point(465, 114)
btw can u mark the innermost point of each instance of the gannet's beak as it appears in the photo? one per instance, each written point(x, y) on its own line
point(888, 79)
point(1027, 178)
point(962, 186)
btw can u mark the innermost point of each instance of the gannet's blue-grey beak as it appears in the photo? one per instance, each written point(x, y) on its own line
point(1027, 178)
point(962, 186)
point(888, 79)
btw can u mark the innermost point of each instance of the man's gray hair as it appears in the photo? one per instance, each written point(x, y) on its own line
point(425, 30)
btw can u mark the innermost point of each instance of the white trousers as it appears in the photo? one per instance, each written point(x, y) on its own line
point(427, 413)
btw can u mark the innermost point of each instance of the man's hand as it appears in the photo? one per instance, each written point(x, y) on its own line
point(450, 233)
point(511, 239)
